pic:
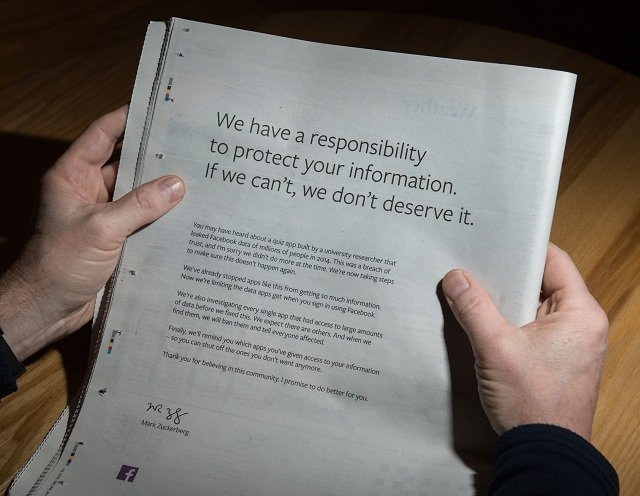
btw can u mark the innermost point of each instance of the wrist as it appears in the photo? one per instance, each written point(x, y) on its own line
point(23, 314)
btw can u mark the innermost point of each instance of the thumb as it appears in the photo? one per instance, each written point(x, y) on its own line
point(146, 203)
point(474, 309)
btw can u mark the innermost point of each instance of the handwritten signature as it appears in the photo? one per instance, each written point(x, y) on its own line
point(174, 415)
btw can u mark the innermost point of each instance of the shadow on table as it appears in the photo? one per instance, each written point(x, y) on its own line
point(23, 161)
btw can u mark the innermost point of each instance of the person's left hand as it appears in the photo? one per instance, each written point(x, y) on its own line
point(547, 371)
point(50, 291)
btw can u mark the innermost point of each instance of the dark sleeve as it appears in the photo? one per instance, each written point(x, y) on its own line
point(551, 461)
point(10, 369)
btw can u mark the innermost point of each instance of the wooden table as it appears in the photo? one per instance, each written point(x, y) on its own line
point(63, 67)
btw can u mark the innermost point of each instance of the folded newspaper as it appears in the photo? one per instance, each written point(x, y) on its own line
point(280, 331)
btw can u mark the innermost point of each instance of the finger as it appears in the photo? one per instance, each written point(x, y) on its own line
point(560, 274)
point(109, 174)
point(145, 204)
point(96, 144)
point(566, 291)
point(474, 309)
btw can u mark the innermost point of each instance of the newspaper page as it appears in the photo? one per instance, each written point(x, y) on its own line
point(280, 331)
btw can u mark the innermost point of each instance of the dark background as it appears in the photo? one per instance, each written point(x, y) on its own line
point(607, 30)
point(39, 38)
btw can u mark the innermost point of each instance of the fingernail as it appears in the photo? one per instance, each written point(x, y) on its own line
point(454, 283)
point(172, 187)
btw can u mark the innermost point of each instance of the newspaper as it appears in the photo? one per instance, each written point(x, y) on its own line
point(280, 332)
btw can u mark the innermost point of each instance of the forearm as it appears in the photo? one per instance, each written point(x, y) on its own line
point(28, 319)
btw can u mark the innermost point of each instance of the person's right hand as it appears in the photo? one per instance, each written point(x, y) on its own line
point(546, 372)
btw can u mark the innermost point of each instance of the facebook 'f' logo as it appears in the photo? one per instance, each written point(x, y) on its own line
point(127, 473)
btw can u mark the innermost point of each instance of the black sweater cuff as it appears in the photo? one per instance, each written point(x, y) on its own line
point(551, 461)
point(10, 369)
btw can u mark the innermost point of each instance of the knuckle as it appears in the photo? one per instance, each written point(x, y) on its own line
point(602, 322)
point(598, 321)
point(51, 178)
point(470, 304)
point(145, 199)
